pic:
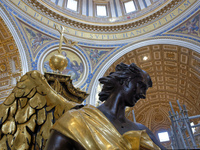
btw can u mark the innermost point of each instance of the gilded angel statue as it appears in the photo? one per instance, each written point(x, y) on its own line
point(35, 116)
point(46, 112)
point(35, 104)
point(31, 109)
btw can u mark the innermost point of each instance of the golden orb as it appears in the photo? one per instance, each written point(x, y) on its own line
point(58, 62)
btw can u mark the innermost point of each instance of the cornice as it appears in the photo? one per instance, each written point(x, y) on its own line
point(39, 7)
point(125, 18)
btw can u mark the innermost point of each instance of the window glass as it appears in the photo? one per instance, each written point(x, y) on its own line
point(101, 10)
point(129, 6)
point(72, 4)
point(163, 136)
point(193, 129)
point(60, 2)
point(54, 1)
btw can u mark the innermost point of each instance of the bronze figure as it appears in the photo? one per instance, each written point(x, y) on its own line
point(33, 107)
point(106, 126)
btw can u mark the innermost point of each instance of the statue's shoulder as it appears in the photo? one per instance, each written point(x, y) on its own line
point(141, 126)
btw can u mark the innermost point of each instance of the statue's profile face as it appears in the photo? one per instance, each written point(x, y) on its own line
point(135, 90)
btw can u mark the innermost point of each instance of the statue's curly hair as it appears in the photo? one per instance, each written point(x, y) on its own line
point(123, 74)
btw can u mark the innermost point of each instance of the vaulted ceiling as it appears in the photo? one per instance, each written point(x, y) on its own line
point(10, 61)
point(174, 69)
point(175, 72)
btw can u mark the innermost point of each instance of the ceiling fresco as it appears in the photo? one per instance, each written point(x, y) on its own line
point(175, 70)
point(189, 27)
point(175, 73)
point(96, 54)
point(36, 38)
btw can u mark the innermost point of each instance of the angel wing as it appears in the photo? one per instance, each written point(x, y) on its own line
point(28, 113)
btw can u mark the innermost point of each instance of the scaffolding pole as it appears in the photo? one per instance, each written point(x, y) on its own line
point(180, 125)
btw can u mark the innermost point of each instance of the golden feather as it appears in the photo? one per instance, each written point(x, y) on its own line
point(29, 112)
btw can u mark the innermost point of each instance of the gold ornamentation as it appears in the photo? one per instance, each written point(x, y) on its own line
point(96, 28)
point(29, 112)
point(2, 67)
point(58, 62)
point(63, 85)
point(90, 127)
point(68, 42)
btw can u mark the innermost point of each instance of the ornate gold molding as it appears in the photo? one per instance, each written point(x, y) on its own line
point(102, 28)
point(63, 85)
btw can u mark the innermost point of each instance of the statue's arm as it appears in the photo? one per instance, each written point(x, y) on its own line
point(152, 136)
point(58, 141)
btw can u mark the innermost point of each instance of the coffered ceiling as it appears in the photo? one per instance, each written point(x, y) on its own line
point(10, 62)
point(175, 72)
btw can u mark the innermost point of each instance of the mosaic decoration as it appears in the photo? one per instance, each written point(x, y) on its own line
point(74, 68)
point(96, 54)
point(35, 38)
point(190, 26)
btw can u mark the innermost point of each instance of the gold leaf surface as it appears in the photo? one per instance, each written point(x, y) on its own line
point(22, 85)
point(45, 129)
point(37, 101)
point(3, 145)
point(19, 93)
point(23, 102)
point(23, 114)
point(24, 77)
point(9, 126)
point(41, 90)
point(3, 113)
point(39, 140)
point(10, 99)
point(9, 139)
point(35, 74)
point(31, 123)
point(41, 116)
point(21, 139)
point(32, 93)
point(13, 108)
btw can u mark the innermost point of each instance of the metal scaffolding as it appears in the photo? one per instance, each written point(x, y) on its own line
point(181, 134)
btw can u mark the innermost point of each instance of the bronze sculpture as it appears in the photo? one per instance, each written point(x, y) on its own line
point(106, 127)
point(32, 108)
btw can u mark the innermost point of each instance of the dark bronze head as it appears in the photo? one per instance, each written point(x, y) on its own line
point(133, 81)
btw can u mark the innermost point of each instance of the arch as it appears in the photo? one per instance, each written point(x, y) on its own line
point(17, 39)
point(53, 46)
point(132, 46)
